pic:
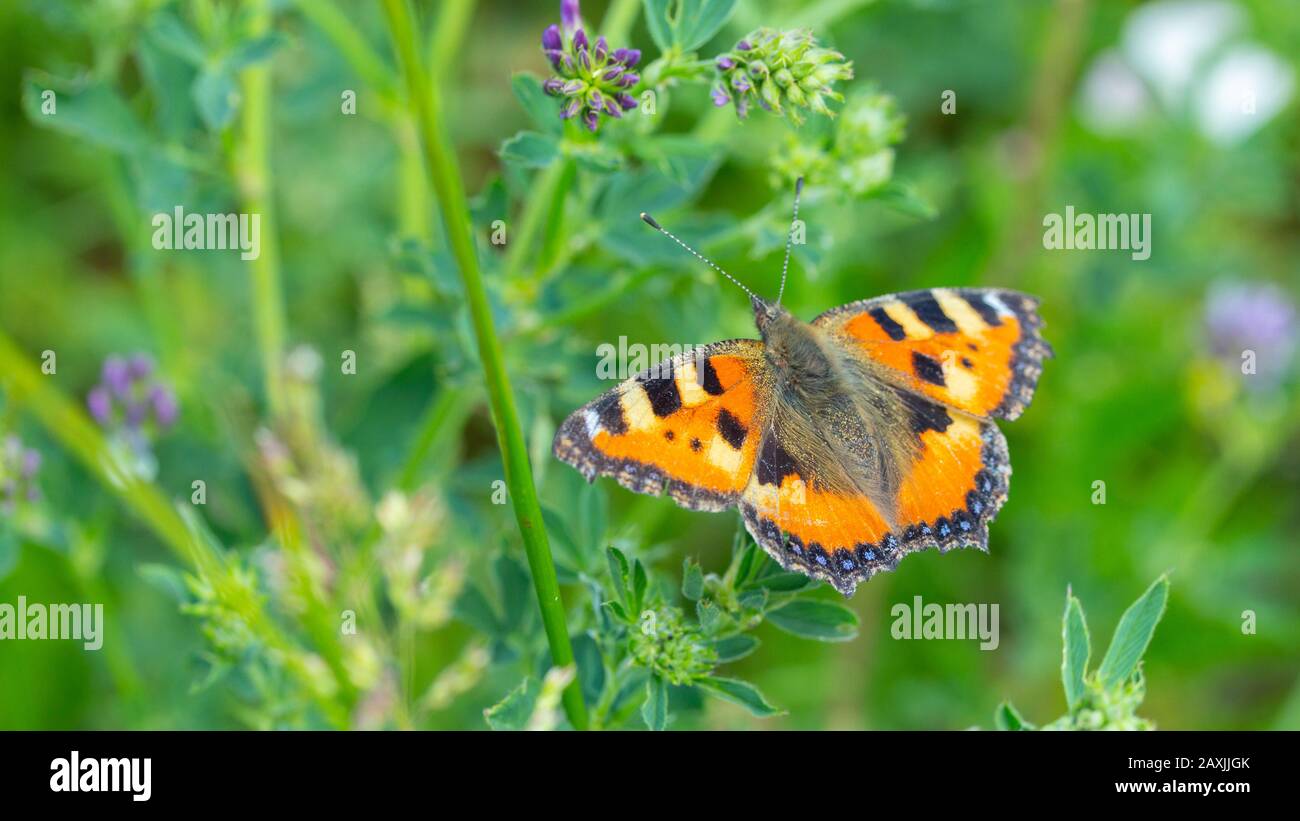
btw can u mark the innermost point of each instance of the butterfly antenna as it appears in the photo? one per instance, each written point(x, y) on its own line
point(649, 220)
point(789, 240)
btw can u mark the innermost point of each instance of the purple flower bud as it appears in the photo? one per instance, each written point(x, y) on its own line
point(100, 404)
point(591, 119)
point(572, 87)
point(720, 96)
point(601, 50)
point(553, 86)
point(742, 107)
point(140, 366)
point(580, 40)
point(743, 45)
point(556, 57)
point(612, 74)
point(165, 409)
point(740, 82)
point(629, 57)
point(627, 101)
point(612, 109)
point(570, 108)
point(725, 63)
point(551, 39)
point(595, 99)
point(584, 59)
point(569, 14)
point(31, 463)
point(628, 80)
point(116, 376)
point(136, 413)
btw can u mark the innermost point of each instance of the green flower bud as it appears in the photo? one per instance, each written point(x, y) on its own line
point(785, 71)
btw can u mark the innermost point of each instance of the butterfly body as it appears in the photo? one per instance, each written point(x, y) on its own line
point(846, 442)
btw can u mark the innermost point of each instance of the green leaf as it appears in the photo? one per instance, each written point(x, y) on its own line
point(754, 598)
point(811, 619)
point(738, 692)
point(474, 609)
point(618, 611)
point(513, 711)
point(709, 614)
point(162, 577)
point(1076, 650)
point(1133, 634)
point(699, 20)
point(515, 589)
point(734, 648)
point(591, 667)
point(749, 557)
point(692, 580)
point(618, 571)
point(904, 199)
point(1008, 718)
point(655, 709)
point(785, 582)
point(251, 52)
point(656, 18)
point(168, 32)
point(639, 584)
point(216, 95)
point(530, 149)
point(541, 108)
point(90, 111)
point(686, 24)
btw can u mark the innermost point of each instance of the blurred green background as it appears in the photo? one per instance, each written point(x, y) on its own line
point(1182, 110)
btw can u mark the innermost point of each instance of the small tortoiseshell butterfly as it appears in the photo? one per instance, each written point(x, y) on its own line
point(847, 442)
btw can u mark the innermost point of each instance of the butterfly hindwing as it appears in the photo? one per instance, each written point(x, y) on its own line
point(954, 483)
point(978, 350)
point(688, 425)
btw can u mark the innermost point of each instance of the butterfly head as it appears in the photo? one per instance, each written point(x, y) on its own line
point(767, 313)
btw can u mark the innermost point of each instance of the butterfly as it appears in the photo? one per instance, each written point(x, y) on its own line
point(846, 442)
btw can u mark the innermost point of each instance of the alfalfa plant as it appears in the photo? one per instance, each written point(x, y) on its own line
point(1108, 697)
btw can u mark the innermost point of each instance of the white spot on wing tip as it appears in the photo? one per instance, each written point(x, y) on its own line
point(998, 305)
point(592, 419)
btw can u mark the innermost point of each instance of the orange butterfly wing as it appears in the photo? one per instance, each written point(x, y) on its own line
point(977, 350)
point(690, 424)
point(947, 496)
point(960, 357)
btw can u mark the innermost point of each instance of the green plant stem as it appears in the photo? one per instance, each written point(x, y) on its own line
point(253, 172)
point(447, 36)
point(445, 179)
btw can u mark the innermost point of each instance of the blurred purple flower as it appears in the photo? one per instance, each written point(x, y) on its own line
point(129, 399)
point(592, 80)
point(1259, 317)
point(100, 403)
point(569, 14)
point(116, 376)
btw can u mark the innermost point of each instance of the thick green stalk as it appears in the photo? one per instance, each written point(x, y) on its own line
point(445, 179)
point(253, 171)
